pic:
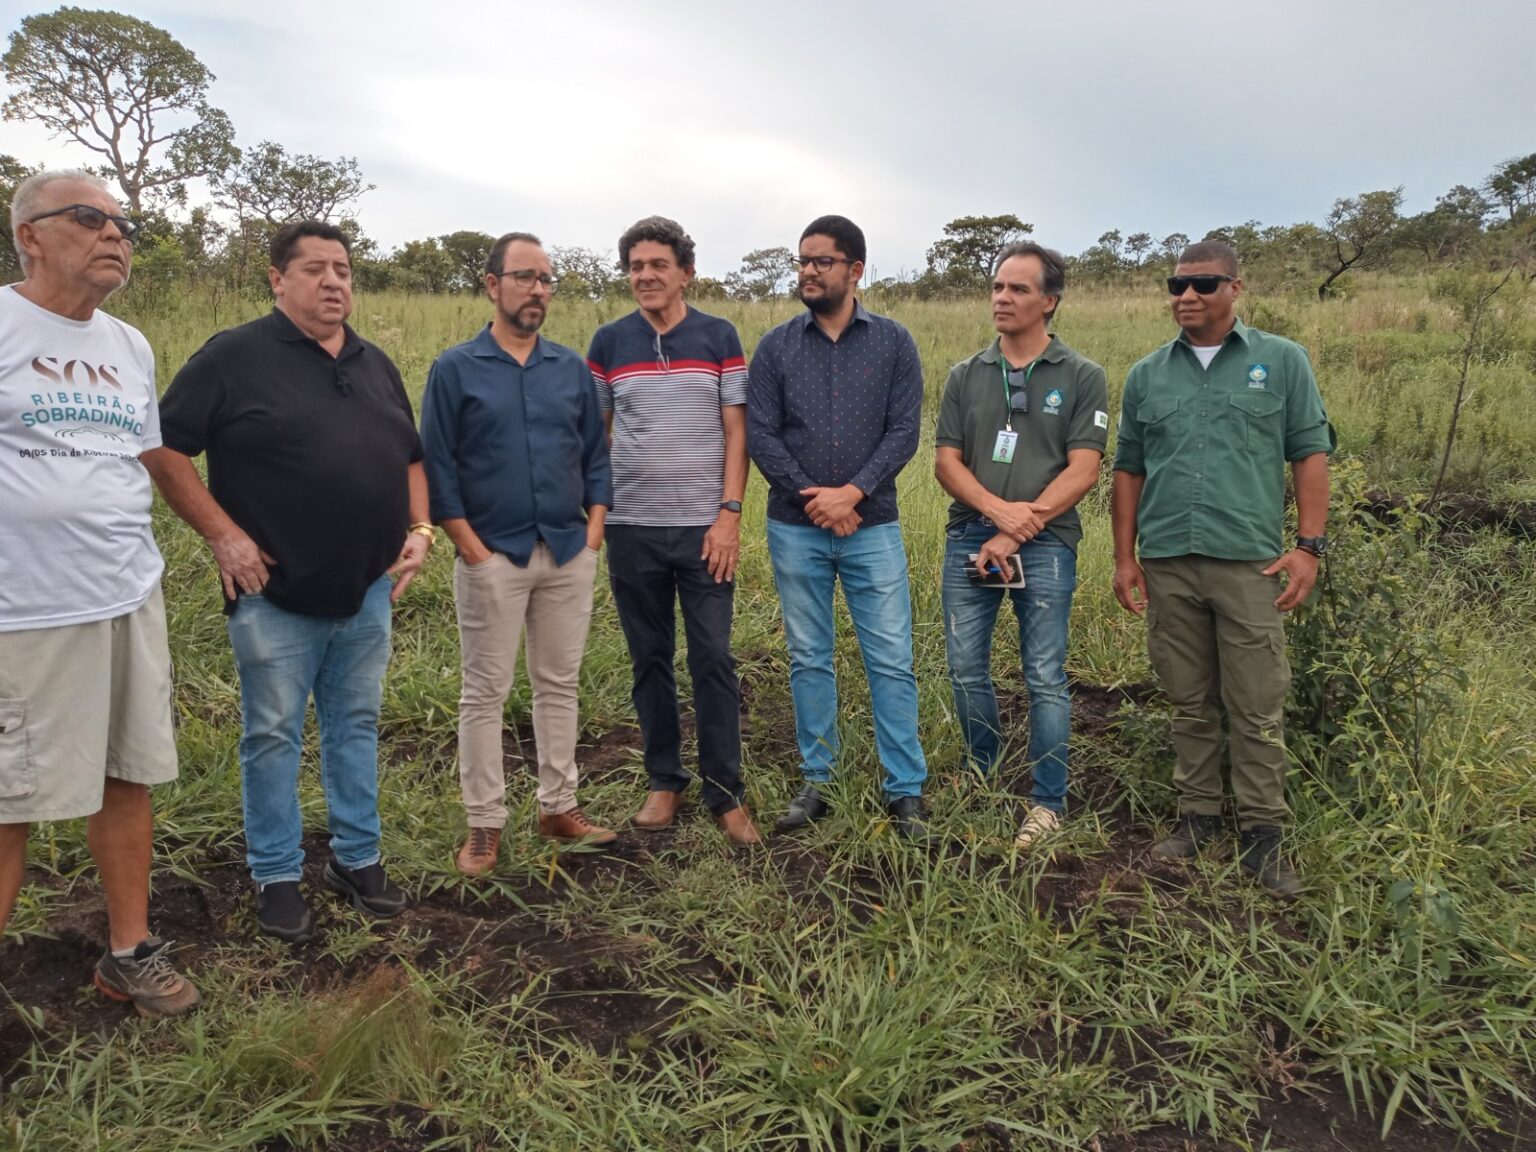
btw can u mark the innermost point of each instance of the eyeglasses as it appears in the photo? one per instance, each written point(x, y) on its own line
point(1018, 401)
point(525, 277)
point(822, 262)
point(1205, 285)
point(95, 219)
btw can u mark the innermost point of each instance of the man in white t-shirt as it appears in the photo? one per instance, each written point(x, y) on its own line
point(85, 684)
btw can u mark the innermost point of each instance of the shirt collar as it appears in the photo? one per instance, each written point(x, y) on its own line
point(1055, 352)
point(858, 315)
point(290, 332)
point(1239, 330)
point(484, 345)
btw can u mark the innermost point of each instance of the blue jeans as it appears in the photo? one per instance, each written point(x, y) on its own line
point(872, 564)
point(282, 657)
point(1042, 608)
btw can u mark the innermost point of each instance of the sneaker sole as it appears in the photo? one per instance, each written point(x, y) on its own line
point(117, 995)
point(336, 884)
point(301, 935)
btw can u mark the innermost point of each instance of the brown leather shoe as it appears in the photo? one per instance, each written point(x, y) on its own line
point(478, 856)
point(573, 827)
point(658, 811)
point(738, 827)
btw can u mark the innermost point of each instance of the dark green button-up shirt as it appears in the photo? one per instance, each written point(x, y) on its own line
point(1213, 443)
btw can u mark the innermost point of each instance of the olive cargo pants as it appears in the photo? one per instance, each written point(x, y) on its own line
point(1217, 643)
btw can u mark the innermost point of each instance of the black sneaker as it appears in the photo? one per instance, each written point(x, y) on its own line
point(909, 819)
point(806, 808)
point(1262, 859)
point(282, 911)
point(1192, 833)
point(370, 890)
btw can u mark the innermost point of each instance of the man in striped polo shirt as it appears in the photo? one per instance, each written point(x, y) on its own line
point(673, 384)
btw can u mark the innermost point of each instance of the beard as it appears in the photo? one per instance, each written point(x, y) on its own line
point(829, 300)
point(528, 319)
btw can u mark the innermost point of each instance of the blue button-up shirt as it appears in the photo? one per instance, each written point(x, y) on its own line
point(821, 414)
point(518, 450)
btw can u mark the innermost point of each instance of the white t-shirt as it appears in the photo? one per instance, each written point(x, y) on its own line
point(1206, 352)
point(77, 406)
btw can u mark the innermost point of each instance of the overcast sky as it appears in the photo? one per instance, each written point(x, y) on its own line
point(573, 118)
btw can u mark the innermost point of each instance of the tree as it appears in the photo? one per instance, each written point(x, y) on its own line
point(1137, 245)
point(1171, 245)
point(124, 89)
point(469, 252)
point(1513, 185)
point(764, 273)
point(1361, 231)
point(424, 266)
point(12, 173)
point(964, 257)
point(585, 272)
point(268, 184)
point(1450, 227)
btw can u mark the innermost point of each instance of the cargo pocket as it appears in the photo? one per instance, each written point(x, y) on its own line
point(18, 775)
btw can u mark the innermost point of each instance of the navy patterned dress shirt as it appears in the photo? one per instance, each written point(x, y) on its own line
point(821, 414)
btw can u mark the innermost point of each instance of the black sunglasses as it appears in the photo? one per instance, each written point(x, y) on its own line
point(95, 219)
point(1205, 285)
point(1018, 401)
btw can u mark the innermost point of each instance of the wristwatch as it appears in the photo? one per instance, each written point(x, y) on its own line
point(1317, 545)
point(731, 506)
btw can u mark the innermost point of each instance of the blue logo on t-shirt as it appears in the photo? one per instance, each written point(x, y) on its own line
point(1053, 401)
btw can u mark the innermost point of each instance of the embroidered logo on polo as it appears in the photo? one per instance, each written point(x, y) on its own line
point(1258, 375)
point(1053, 402)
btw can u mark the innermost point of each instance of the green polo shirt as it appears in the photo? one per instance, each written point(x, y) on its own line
point(1068, 408)
point(1213, 443)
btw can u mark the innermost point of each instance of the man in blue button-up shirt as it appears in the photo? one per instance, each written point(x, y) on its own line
point(834, 399)
point(517, 464)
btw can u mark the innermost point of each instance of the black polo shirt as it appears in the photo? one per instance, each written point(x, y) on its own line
point(308, 453)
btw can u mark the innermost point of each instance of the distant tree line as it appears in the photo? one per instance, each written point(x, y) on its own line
point(137, 100)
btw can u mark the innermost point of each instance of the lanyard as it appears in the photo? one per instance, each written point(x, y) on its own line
point(1008, 395)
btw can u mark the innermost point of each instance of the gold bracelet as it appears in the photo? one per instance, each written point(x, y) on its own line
point(425, 529)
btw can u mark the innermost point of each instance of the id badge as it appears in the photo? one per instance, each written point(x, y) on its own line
point(1003, 453)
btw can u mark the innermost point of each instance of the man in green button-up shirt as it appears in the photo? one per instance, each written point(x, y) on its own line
point(1207, 424)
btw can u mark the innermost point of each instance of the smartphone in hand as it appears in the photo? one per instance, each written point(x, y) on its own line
point(995, 577)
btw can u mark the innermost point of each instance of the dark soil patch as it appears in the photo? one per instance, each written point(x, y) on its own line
point(1461, 513)
point(1319, 1119)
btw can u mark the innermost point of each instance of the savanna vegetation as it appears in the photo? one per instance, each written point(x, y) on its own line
point(839, 990)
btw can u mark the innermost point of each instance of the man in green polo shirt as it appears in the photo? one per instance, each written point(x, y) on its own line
point(1022, 431)
point(1207, 424)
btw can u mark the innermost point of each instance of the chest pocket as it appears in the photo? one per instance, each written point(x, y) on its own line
point(1157, 416)
point(1260, 413)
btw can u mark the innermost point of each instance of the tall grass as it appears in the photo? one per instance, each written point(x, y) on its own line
point(841, 991)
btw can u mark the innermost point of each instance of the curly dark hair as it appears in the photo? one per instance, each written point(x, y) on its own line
point(658, 230)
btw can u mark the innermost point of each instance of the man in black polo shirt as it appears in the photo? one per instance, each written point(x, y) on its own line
point(316, 498)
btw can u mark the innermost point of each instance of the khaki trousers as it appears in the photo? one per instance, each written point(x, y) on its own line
point(494, 600)
point(1218, 644)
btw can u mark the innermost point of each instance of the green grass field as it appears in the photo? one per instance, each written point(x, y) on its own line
point(837, 990)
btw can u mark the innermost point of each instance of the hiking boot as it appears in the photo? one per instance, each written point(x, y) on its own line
point(282, 911)
point(806, 808)
point(1040, 822)
point(1192, 833)
point(658, 811)
point(147, 979)
point(1261, 857)
point(573, 827)
point(738, 827)
point(909, 819)
point(478, 855)
point(369, 889)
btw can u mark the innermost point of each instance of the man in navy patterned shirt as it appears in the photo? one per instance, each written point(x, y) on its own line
point(834, 400)
point(672, 382)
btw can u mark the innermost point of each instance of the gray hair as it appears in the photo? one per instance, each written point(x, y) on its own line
point(25, 200)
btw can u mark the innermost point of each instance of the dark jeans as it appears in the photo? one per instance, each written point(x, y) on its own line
point(650, 568)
